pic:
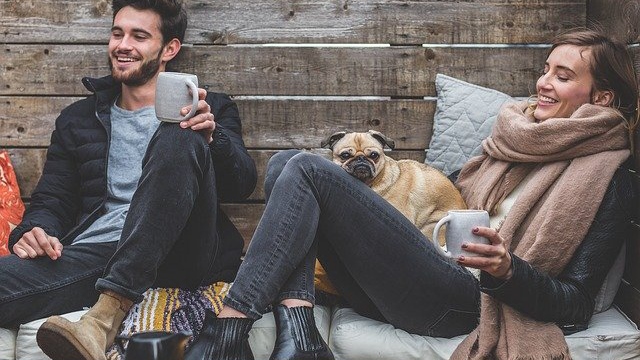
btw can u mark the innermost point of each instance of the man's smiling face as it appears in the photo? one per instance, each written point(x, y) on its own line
point(135, 46)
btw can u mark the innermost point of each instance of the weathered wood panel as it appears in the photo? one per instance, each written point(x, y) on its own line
point(28, 165)
point(305, 123)
point(29, 121)
point(618, 18)
point(267, 123)
point(326, 21)
point(245, 217)
point(249, 70)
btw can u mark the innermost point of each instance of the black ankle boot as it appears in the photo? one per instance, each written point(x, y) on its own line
point(222, 339)
point(297, 335)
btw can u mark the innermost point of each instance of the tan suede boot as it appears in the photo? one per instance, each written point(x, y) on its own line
point(89, 337)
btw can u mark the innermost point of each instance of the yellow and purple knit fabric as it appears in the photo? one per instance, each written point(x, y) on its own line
point(171, 309)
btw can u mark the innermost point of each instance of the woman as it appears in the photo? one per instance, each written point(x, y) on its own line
point(559, 158)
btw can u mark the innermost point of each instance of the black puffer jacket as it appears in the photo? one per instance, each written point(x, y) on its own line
point(71, 193)
point(568, 299)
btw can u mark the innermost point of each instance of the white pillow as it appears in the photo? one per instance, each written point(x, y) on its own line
point(464, 116)
point(609, 289)
point(611, 335)
point(8, 344)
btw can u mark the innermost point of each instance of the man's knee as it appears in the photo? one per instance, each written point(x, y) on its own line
point(171, 133)
point(173, 143)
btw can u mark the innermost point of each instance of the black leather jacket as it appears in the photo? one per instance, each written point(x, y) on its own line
point(568, 299)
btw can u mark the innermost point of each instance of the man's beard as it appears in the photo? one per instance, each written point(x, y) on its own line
point(140, 76)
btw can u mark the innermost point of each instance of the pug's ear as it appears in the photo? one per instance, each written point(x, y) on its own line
point(383, 139)
point(332, 139)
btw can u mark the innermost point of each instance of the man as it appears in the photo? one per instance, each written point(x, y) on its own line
point(126, 202)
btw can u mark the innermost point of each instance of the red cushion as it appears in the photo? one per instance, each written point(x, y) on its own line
point(11, 205)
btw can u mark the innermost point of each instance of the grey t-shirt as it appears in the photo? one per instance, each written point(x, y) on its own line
point(130, 135)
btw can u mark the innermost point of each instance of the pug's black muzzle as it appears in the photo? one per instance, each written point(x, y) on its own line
point(361, 168)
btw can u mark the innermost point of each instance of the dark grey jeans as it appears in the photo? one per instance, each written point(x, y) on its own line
point(175, 200)
point(376, 258)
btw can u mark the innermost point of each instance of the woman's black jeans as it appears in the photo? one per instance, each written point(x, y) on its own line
point(376, 258)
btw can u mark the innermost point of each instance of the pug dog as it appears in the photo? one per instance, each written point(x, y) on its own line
point(420, 192)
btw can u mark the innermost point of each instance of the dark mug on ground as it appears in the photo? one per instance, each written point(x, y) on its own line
point(154, 345)
point(460, 224)
point(173, 92)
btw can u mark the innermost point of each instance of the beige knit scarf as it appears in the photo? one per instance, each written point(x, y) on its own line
point(572, 160)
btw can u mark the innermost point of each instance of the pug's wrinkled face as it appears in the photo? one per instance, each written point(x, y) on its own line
point(361, 155)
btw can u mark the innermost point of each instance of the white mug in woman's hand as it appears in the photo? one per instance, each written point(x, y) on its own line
point(460, 224)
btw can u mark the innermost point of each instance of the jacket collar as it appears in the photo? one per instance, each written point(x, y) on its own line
point(96, 85)
point(105, 89)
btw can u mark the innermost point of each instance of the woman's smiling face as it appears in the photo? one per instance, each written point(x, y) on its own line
point(566, 83)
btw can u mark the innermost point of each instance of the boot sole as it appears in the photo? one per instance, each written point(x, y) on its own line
point(58, 344)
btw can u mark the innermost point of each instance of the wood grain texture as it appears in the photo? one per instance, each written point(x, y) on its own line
point(617, 18)
point(293, 21)
point(397, 71)
point(28, 164)
point(245, 217)
point(274, 123)
point(29, 121)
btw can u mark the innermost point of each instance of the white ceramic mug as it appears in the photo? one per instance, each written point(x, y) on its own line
point(173, 92)
point(460, 223)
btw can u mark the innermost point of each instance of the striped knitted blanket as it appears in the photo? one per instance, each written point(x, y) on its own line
point(171, 309)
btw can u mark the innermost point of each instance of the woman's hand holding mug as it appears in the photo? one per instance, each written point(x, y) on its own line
point(472, 243)
point(495, 258)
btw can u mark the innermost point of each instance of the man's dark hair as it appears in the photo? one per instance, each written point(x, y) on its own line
point(172, 14)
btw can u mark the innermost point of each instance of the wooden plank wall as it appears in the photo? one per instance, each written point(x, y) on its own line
point(299, 70)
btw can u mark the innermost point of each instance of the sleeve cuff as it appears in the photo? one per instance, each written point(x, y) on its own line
point(490, 284)
point(220, 143)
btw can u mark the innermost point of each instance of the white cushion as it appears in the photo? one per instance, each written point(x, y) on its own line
point(7, 344)
point(609, 288)
point(611, 335)
point(262, 336)
point(26, 345)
